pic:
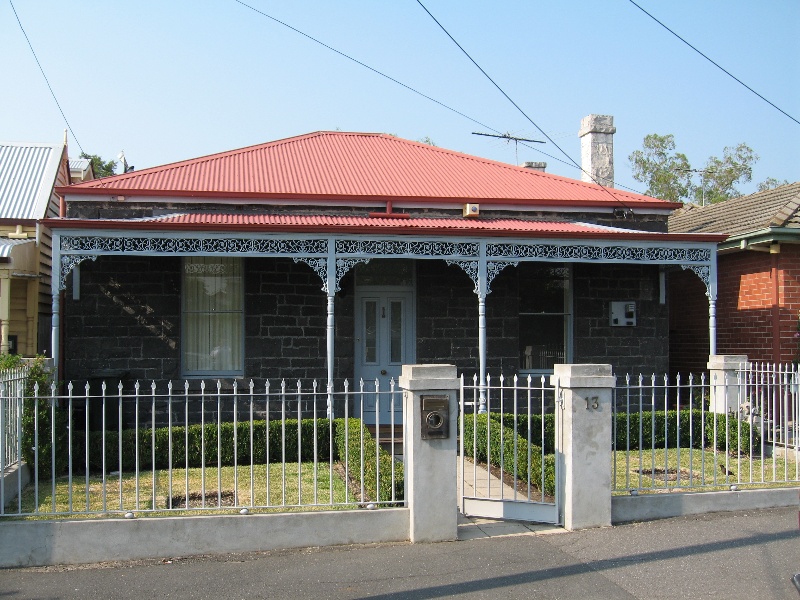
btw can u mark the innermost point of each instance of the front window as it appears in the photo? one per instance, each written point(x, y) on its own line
point(544, 317)
point(212, 316)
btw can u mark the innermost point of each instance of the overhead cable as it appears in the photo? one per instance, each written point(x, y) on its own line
point(52, 93)
point(728, 73)
point(522, 112)
point(390, 78)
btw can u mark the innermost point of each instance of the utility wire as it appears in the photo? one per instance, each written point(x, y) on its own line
point(393, 80)
point(522, 112)
point(728, 73)
point(358, 62)
point(52, 93)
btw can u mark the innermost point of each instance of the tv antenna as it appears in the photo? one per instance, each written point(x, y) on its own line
point(510, 138)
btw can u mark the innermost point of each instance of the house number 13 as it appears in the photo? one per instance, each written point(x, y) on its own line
point(592, 403)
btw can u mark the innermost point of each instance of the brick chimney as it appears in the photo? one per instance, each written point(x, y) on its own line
point(535, 166)
point(597, 149)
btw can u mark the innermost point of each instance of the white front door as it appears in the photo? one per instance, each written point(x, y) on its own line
point(384, 342)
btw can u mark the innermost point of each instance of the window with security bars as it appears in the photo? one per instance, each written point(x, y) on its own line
point(544, 317)
point(212, 316)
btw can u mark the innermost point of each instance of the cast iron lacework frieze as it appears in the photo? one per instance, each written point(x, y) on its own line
point(703, 272)
point(68, 263)
point(470, 267)
point(494, 268)
point(181, 245)
point(320, 266)
point(598, 252)
point(343, 265)
point(406, 248)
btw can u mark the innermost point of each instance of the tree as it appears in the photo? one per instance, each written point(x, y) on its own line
point(668, 174)
point(771, 183)
point(99, 167)
point(721, 175)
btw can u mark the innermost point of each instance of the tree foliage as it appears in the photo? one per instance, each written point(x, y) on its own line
point(666, 172)
point(771, 183)
point(669, 174)
point(100, 168)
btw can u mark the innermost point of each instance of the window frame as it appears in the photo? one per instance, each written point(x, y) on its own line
point(186, 373)
point(567, 315)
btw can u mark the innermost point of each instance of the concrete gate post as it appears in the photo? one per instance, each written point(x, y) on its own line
point(584, 447)
point(724, 390)
point(429, 456)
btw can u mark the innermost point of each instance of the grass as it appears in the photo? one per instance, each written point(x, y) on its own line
point(685, 470)
point(269, 488)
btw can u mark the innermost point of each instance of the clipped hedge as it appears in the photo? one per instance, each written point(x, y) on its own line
point(535, 421)
point(685, 428)
point(281, 445)
point(498, 444)
point(194, 439)
point(377, 465)
point(657, 427)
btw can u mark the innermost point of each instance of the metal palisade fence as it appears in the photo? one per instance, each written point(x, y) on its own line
point(692, 433)
point(189, 449)
point(12, 382)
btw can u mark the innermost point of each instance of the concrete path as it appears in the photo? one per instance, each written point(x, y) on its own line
point(743, 555)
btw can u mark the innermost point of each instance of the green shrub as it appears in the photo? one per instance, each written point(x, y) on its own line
point(687, 428)
point(213, 441)
point(40, 415)
point(205, 440)
point(523, 421)
point(377, 465)
point(499, 445)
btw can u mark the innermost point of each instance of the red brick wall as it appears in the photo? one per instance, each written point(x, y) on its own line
point(745, 310)
point(688, 323)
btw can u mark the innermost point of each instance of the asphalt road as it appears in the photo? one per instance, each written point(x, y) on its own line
point(748, 555)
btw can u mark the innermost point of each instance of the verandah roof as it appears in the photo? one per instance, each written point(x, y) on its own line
point(298, 223)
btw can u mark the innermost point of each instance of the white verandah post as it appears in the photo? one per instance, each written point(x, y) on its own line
point(330, 290)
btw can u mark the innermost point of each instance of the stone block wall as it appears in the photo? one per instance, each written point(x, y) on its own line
point(643, 348)
point(125, 325)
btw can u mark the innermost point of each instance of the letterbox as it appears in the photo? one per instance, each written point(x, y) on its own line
point(435, 417)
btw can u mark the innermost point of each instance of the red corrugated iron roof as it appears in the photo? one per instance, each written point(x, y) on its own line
point(366, 225)
point(359, 166)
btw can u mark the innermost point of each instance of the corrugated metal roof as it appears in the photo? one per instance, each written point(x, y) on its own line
point(335, 165)
point(264, 223)
point(28, 173)
point(777, 207)
point(6, 245)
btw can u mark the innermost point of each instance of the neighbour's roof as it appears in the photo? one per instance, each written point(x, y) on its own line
point(357, 168)
point(80, 169)
point(28, 173)
point(778, 207)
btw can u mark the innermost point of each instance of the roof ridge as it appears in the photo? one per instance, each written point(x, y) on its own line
point(786, 212)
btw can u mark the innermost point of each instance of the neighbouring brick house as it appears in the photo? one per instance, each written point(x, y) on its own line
point(341, 256)
point(758, 278)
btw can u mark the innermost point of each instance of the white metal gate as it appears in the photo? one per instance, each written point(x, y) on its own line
point(506, 465)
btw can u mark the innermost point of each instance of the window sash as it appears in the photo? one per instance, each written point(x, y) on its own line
point(213, 316)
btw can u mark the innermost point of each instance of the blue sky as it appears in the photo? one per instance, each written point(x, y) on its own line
point(168, 81)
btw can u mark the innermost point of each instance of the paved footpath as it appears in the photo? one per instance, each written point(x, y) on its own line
point(748, 555)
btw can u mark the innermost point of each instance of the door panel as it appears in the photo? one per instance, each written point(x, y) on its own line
point(384, 342)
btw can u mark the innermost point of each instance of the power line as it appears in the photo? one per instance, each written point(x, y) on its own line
point(392, 79)
point(728, 73)
point(522, 112)
point(571, 162)
point(52, 93)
